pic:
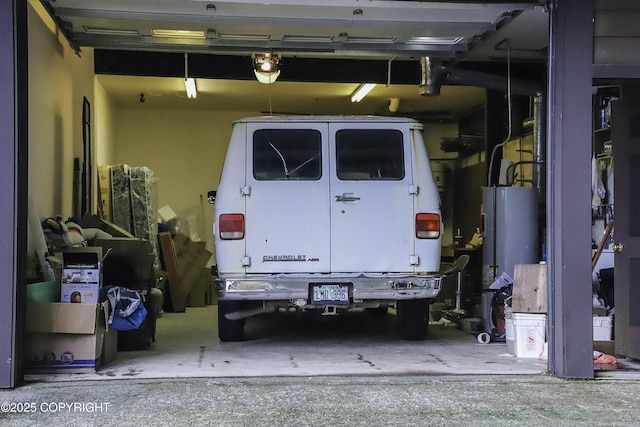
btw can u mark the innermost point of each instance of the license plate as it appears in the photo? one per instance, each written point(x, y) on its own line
point(330, 293)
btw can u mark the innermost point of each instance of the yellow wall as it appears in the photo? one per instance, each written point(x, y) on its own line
point(58, 81)
point(104, 126)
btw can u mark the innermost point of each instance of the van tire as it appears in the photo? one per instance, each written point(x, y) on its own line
point(230, 330)
point(413, 319)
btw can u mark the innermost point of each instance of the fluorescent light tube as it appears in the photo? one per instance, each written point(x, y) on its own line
point(183, 34)
point(190, 85)
point(362, 91)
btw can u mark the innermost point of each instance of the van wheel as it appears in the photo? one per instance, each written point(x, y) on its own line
point(413, 318)
point(230, 330)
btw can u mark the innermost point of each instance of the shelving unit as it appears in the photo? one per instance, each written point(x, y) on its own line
point(602, 207)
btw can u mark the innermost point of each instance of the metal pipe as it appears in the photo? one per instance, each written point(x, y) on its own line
point(539, 157)
point(431, 76)
point(456, 76)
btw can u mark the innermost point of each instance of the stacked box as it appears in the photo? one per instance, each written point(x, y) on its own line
point(81, 275)
point(68, 338)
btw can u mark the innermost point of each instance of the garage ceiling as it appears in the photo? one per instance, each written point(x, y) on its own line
point(314, 38)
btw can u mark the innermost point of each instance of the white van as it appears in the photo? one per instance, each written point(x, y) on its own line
point(326, 213)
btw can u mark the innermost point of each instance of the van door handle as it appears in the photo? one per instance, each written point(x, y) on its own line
point(347, 197)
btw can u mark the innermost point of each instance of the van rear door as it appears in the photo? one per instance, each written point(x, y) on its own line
point(287, 210)
point(372, 201)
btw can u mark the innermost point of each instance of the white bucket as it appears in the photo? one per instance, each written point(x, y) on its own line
point(602, 326)
point(509, 331)
point(530, 331)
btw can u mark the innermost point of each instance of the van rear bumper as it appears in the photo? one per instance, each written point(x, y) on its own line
point(363, 287)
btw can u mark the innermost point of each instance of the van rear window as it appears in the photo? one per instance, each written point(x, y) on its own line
point(287, 154)
point(369, 154)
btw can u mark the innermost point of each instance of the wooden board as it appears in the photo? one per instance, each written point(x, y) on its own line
point(170, 264)
point(530, 288)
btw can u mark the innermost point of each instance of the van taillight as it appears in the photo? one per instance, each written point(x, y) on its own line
point(231, 226)
point(427, 226)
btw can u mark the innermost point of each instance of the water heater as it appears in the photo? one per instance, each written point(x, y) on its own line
point(510, 230)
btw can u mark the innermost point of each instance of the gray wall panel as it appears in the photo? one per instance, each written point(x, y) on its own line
point(13, 143)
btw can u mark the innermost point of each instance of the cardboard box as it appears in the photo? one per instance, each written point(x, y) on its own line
point(192, 258)
point(81, 275)
point(200, 294)
point(133, 256)
point(167, 214)
point(109, 347)
point(67, 338)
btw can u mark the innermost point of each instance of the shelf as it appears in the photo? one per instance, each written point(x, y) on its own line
point(600, 138)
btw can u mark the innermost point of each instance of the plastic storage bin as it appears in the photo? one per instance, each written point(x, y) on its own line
point(602, 326)
point(43, 292)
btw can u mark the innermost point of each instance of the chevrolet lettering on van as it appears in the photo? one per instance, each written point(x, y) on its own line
point(269, 258)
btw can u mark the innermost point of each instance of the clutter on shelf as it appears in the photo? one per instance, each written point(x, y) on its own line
point(69, 233)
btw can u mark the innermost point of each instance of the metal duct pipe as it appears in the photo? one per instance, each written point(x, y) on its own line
point(431, 76)
point(456, 76)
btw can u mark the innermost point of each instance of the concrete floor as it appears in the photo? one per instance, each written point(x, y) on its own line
point(321, 371)
point(293, 344)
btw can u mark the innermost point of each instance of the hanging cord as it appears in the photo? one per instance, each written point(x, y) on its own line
point(494, 267)
point(509, 113)
point(186, 65)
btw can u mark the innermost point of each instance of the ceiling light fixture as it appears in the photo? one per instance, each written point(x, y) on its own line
point(266, 67)
point(362, 91)
point(178, 34)
point(189, 82)
point(110, 31)
point(190, 86)
point(435, 40)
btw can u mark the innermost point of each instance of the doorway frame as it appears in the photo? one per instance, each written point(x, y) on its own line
point(13, 185)
point(570, 331)
point(568, 118)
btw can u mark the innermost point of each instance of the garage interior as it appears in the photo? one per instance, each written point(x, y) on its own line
point(473, 74)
